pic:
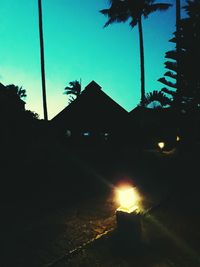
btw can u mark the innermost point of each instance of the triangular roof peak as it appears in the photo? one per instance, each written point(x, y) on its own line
point(2, 86)
point(93, 85)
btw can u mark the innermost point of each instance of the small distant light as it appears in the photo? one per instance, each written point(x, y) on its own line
point(161, 145)
point(177, 138)
point(68, 133)
point(86, 134)
point(106, 135)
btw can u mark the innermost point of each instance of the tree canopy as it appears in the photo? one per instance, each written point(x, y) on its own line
point(189, 61)
point(73, 90)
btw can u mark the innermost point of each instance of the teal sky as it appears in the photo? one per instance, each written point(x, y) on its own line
point(77, 46)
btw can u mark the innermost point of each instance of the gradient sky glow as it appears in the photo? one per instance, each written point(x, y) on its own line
point(77, 46)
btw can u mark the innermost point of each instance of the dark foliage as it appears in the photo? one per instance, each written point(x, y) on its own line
point(74, 90)
point(188, 93)
point(158, 96)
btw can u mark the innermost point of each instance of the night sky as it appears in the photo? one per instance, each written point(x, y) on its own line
point(77, 46)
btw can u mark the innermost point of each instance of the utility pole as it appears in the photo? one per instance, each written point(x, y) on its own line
point(42, 60)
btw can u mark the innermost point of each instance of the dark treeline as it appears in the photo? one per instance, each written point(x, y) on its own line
point(23, 137)
point(18, 125)
point(188, 92)
point(183, 64)
point(181, 91)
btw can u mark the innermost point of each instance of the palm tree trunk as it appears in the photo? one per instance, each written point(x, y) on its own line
point(42, 60)
point(141, 61)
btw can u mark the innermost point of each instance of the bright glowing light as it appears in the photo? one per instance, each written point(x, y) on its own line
point(177, 138)
point(128, 199)
point(161, 145)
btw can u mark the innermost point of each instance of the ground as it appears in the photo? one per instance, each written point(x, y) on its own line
point(75, 225)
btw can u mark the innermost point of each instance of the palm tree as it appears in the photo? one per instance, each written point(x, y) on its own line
point(42, 60)
point(157, 96)
point(121, 11)
point(74, 90)
point(15, 91)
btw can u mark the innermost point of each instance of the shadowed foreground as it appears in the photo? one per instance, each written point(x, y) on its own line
point(70, 202)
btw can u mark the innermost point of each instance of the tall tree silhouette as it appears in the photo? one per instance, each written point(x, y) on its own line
point(183, 66)
point(191, 44)
point(121, 11)
point(74, 90)
point(42, 60)
point(178, 50)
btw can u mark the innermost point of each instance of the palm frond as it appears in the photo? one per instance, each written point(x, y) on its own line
point(170, 74)
point(168, 83)
point(70, 92)
point(168, 91)
point(157, 96)
point(173, 40)
point(73, 90)
point(133, 22)
point(155, 7)
point(22, 92)
point(71, 99)
point(171, 65)
point(118, 12)
point(16, 91)
point(171, 54)
point(121, 11)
